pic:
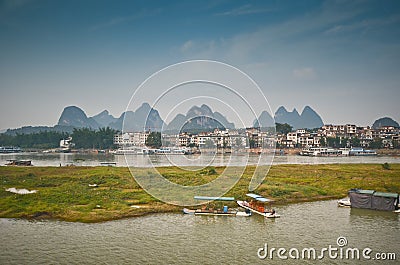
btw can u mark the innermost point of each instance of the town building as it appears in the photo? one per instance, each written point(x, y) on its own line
point(131, 139)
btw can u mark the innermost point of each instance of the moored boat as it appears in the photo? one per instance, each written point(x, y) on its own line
point(371, 199)
point(345, 202)
point(362, 152)
point(209, 210)
point(258, 205)
point(9, 149)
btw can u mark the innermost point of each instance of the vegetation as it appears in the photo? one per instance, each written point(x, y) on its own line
point(386, 166)
point(88, 138)
point(46, 139)
point(154, 140)
point(83, 138)
point(283, 128)
point(64, 192)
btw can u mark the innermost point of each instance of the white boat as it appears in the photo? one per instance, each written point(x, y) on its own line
point(9, 149)
point(362, 152)
point(131, 151)
point(345, 202)
point(324, 151)
point(257, 205)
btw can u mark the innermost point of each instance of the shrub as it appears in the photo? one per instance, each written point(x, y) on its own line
point(386, 166)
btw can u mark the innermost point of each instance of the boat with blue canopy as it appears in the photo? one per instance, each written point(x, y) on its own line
point(260, 205)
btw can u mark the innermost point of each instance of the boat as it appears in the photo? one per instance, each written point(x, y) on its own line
point(207, 209)
point(362, 152)
point(345, 202)
point(9, 149)
point(258, 205)
point(371, 199)
point(324, 151)
point(19, 163)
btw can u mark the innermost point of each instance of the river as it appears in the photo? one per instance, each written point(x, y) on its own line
point(40, 159)
point(187, 239)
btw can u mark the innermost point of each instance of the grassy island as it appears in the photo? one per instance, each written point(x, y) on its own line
point(69, 193)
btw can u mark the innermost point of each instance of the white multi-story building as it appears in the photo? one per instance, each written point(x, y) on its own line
point(346, 130)
point(131, 139)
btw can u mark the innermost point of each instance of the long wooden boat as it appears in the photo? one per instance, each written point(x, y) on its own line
point(206, 210)
point(258, 205)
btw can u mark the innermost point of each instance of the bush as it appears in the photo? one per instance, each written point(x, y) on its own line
point(386, 166)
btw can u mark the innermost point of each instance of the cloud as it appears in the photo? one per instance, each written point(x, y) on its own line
point(201, 49)
point(124, 19)
point(187, 46)
point(244, 10)
point(364, 25)
point(306, 73)
point(260, 43)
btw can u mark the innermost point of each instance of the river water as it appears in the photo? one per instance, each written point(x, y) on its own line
point(187, 239)
point(39, 159)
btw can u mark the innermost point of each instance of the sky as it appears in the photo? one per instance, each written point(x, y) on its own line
point(342, 58)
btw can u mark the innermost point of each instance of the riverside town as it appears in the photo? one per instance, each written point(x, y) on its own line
point(328, 140)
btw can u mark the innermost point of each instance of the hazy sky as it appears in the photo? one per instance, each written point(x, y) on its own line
point(340, 57)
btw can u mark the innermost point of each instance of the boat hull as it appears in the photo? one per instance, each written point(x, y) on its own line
point(215, 213)
point(344, 202)
point(244, 205)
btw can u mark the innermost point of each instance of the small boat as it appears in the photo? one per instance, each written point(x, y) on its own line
point(9, 149)
point(19, 163)
point(345, 202)
point(207, 210)
point(257, 205)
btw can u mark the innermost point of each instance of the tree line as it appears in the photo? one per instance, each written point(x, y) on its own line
point(82, 138)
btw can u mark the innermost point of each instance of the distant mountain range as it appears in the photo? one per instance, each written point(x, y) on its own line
point(143, 118)
point(307, 119)
point(199, 118)
point(196, 119)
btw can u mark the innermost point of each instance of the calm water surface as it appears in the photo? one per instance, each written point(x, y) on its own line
point(39, 159)
point(186, 239)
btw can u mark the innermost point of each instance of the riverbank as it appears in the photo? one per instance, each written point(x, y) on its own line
point(95, 194)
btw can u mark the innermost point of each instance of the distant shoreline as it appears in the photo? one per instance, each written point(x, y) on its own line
point(286, 151)
point(69, 193)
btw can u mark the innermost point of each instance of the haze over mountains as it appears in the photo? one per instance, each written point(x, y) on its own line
point(196, 118)
point(201, 117)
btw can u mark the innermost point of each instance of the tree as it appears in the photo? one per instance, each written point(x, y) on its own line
point(44, 139)
point(322, 141)
point(88, 138)
point(376, 143)
point(355, 142)
point(154, 140)
point(252, 143)
point(396, 144)
point(283, 128)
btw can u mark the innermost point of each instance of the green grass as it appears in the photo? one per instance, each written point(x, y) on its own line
point(64, 192)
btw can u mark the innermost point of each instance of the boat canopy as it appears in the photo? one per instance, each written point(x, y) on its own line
point(258, 197)
point(207, 198)
point(369, 192)
point(386, 194)
point(369, 199)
